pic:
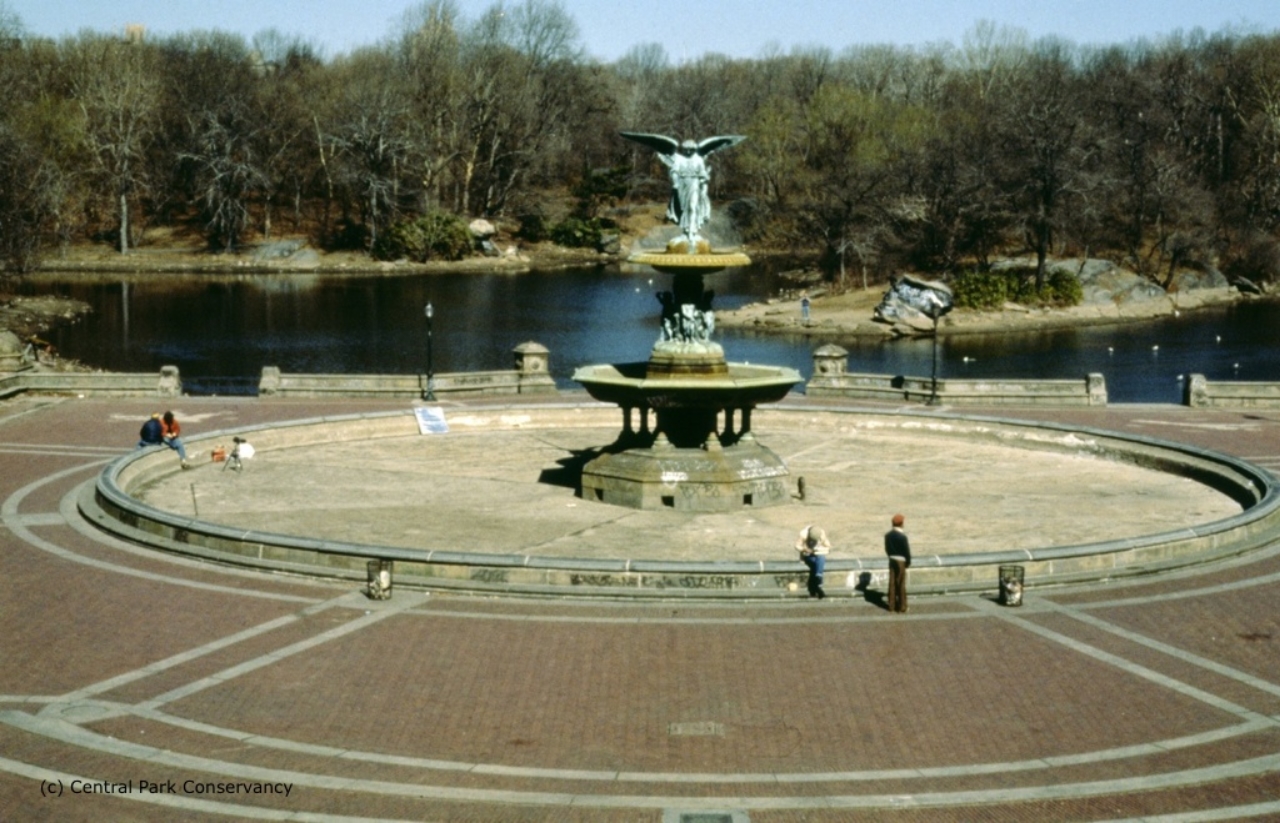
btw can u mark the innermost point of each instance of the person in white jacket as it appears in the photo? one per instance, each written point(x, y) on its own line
point(813, 547)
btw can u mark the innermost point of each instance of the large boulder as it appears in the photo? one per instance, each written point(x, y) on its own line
point(482, 229)
point(1189, 280)
point(911, 304)
point(1102, 281)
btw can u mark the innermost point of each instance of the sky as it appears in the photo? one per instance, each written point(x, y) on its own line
point(688, 30)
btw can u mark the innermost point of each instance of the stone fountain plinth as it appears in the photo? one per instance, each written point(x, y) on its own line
point(686, 441)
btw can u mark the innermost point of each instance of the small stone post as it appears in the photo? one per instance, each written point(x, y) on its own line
point(533, 368)
point(270, 382)
point(1097, 387)
point(1196, 393)
point(170, 384)
point(830, 364)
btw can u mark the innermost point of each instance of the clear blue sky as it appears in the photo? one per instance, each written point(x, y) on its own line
point(688, 29)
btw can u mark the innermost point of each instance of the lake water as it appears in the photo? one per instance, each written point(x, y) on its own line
point(221, 330)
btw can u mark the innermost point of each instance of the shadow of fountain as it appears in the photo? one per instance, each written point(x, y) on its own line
point(568, 471)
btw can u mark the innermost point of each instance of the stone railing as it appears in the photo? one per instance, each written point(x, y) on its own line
point(274, 383)
point(1200, 392)
point(168, 383)
point(830, 379)
point(530, 376)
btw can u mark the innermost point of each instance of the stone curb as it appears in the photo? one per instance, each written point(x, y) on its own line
point(115, 510)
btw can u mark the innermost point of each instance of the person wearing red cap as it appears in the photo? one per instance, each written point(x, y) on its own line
point(898, 548)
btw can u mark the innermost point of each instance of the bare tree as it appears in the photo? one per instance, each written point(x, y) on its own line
point(288, 69)
point(366, 131)
point(27, 201)
point(430, 54)
point(229, 175)
point(1047, 145)
point(117, 89)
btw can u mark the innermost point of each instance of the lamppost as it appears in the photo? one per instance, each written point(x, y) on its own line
point(933, 391)
point(431, 372)
point(937, 308)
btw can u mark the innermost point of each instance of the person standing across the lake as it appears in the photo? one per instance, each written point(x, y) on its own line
point(813, 547)
point(898, 549)
point(804, 307)
point(172, 432)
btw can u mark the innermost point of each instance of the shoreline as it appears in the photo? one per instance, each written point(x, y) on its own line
point(832, 317)
point(850, 315)
point(544, 257)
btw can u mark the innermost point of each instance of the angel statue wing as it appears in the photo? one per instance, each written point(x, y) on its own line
point(658, 142)
point(663, 144)
point(722, 141)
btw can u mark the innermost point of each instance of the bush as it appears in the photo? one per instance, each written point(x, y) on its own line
point(533, 227)
point(599, 188)
point(990, 290)
point(436, 235)
point(1258, 260)
point(980, 289)
point(577, 233)
point(1062, 289)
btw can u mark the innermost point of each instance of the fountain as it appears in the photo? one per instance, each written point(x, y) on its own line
point(697, 452)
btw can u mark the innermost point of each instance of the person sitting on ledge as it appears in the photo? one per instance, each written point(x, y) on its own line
point(172, 432)
point(813, 547)
point(151, 433)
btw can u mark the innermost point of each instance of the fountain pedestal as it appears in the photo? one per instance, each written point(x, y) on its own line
point(686, 441)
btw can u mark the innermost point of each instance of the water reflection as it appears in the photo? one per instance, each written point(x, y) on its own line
point(221, 331)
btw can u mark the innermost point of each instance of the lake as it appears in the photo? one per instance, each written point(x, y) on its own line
point(221, 330)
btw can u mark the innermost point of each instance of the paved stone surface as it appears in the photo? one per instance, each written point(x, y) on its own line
point(1154, 699)
point(478, 488)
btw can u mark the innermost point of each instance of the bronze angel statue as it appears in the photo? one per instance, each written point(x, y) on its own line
point(689, 207)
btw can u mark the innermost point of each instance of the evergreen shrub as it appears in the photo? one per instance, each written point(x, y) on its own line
point(436, 235)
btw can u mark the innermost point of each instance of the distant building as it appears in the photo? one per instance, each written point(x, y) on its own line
point(135, 32)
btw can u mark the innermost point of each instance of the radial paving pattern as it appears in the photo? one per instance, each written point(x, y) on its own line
point(237, 695)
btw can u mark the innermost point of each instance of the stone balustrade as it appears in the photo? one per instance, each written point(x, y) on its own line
point(531, 375)
point(1203, 393)
point(831, 379)
point(168, 383)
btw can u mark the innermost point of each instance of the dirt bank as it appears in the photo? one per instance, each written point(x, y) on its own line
point(303, 259)
point(851, 314)
point(29, 317)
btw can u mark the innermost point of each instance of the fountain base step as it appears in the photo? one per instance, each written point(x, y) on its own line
point(744, 475)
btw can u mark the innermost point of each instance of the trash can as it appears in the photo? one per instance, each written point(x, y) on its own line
point(1011, 579)
point(379, 573)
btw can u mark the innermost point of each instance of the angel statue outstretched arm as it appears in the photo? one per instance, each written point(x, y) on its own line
point(689, 207)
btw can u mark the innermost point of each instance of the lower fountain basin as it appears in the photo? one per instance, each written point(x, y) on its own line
point(743, 386)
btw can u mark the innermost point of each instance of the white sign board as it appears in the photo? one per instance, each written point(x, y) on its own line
point(430, 420)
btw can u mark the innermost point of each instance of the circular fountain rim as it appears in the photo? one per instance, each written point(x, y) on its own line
point(678, 262)
point(740, 376)
point(109, 505)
